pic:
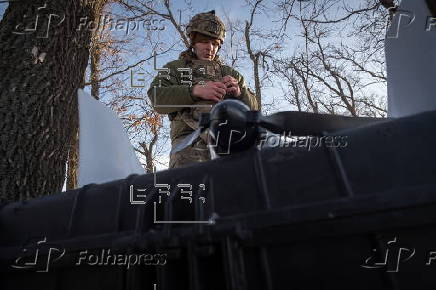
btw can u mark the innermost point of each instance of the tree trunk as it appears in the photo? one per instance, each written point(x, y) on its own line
point(73, 159)
point(73, 152)
point(96, 50)
point(95, 69)
point(257, 81)
point(42, 68)
point(255, 59)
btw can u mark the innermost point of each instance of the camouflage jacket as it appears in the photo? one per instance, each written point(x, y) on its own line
point(171, 90)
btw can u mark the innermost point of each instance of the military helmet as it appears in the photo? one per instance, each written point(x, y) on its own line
point(208, 24)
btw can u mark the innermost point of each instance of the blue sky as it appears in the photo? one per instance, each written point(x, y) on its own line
point(236, 9)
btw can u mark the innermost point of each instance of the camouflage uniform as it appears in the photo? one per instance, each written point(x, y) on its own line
point(171, 93)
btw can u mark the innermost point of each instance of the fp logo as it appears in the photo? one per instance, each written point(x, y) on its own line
point(32, 257)
point(40, 24)
point(391, 259)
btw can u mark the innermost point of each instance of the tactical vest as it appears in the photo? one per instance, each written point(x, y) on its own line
point(201, 72)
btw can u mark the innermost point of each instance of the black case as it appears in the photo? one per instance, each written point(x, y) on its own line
point(354, 217)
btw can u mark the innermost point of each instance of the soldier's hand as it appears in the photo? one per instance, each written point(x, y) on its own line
point(232, 86)
point(214, 91)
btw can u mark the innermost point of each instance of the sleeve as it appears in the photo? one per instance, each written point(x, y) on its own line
point(166, 93)
point(247, 97)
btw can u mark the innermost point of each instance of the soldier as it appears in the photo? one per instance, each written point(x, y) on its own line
point(194, 83)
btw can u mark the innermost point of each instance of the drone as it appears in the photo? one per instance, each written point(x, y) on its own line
point(234, 128)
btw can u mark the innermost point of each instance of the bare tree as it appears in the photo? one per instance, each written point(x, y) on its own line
point(330, 75)
point(259, 56)
point(254, 56)
point(108, 81)
point(233, 47)
point(142, 8)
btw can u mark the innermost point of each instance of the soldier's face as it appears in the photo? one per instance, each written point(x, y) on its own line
point(206, 49)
